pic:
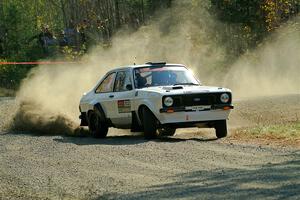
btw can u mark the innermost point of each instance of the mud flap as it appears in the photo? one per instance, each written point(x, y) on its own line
point(135, 126)
point(83, 119)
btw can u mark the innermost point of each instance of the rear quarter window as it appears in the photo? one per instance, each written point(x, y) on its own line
point(107, 84)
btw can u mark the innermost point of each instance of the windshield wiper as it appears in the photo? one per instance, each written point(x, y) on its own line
point(186, 84)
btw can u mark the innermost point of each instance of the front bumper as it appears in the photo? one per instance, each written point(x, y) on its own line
point(180, 115)
point(184, 109)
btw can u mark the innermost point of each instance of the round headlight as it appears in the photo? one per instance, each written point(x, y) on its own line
point(224, 98)
point(168, 101)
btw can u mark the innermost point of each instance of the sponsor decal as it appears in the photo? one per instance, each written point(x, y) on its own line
point(124, 106)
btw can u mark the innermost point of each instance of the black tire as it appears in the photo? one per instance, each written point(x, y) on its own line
point(97, 128)
point(221, 128)
point(166, 131)
point(149, 124)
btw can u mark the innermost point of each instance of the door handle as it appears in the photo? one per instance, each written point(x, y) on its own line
point(111, 96)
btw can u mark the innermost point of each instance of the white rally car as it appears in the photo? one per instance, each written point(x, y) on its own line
point(155, 98)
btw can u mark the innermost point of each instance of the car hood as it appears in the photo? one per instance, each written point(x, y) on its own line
point(184, 89)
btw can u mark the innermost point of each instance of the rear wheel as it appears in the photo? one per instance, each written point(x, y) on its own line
point(149, 123)
point(166, 131)
point(97, 128)
point(221, 128)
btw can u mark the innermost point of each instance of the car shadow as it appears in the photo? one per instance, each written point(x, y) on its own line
point(269, 181)
point(125, 140)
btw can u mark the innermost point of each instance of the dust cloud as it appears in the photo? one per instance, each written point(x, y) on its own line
point(183, 34)
point(272, 69)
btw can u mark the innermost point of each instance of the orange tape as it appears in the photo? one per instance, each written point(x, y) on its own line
point(38, 63)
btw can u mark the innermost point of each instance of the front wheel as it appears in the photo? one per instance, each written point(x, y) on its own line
point(97, 128)
point(221, 128)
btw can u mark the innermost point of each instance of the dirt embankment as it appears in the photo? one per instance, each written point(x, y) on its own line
point(271, 121)
point(270, 110)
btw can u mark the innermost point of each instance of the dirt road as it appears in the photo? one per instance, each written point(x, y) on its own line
point(191, 165)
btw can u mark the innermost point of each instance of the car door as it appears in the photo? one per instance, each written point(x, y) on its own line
point(104, 94)
point(122, 99)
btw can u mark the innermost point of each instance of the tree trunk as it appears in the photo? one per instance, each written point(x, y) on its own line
point(117, 10)
point(143, 11)
point(63, 9)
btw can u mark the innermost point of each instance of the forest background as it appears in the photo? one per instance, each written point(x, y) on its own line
point(66, 30)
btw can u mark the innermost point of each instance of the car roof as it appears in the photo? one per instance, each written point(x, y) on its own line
point(145, 65)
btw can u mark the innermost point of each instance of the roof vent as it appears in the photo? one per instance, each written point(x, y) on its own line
point(177, 87)
point(156, 63)
point(168, 88)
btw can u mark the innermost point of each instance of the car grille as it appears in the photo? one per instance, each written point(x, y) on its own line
point(197, 99)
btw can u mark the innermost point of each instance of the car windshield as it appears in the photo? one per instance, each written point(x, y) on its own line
point(163, 76)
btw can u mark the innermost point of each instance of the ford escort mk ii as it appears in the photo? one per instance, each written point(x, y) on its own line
point(155, 98)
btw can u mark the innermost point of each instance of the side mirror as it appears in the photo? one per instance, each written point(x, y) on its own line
point(129, 87)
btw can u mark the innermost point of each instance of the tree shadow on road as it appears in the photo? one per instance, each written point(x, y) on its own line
point(126, 140)
point(270, 181)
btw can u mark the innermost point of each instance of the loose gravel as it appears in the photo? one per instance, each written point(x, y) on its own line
point(190, 165)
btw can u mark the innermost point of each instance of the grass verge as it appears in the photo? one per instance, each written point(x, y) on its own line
point(278, 134)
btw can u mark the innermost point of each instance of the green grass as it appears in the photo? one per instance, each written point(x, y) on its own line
point(7, 92)
point(280, 131)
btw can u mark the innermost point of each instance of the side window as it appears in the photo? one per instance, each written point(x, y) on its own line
point(107, 84)
point(122, 80)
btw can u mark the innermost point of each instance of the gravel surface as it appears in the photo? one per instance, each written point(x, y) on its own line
point(8, 107)
point(190, 165)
